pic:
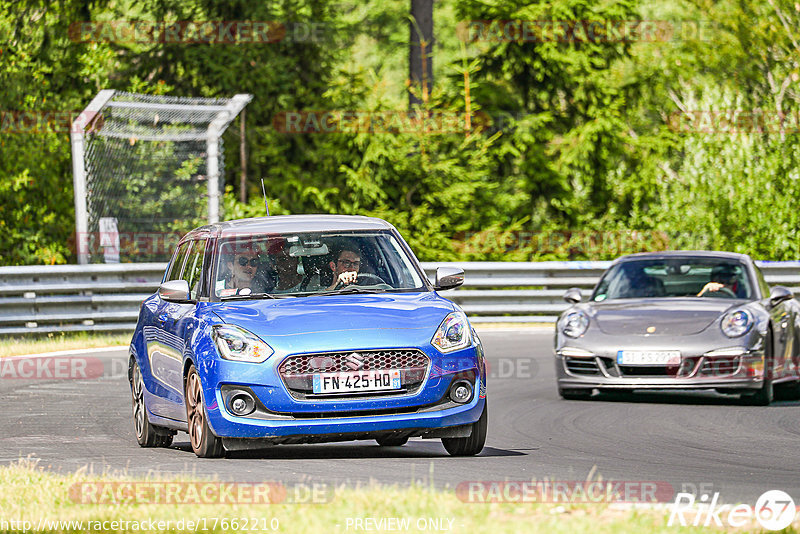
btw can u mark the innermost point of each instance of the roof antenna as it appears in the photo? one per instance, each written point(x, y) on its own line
point(264, 192)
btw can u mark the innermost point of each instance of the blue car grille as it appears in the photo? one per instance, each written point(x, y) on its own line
point(297, 371)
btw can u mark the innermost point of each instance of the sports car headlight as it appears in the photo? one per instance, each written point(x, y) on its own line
point(736, 323)
point(574, 324)
point(453, 333)
point(237, 344)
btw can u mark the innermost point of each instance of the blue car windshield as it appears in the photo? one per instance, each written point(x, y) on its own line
point(302, 264)
point(675, 277)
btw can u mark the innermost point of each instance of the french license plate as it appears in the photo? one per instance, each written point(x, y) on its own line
point(648, 357)
point(348, 381)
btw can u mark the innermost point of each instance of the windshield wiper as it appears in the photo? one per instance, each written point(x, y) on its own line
point(358, 289)
point(251, 296)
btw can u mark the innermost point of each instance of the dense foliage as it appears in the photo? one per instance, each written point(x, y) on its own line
point(579, 148)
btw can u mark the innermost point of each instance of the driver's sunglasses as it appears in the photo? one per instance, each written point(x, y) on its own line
point(244, 261)
point(347, 264)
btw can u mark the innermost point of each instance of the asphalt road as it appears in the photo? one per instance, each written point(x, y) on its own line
point(689, 440)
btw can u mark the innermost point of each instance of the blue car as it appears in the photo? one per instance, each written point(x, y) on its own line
point(304, 329)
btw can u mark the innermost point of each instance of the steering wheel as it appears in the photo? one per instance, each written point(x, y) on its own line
point(364, 279)
point(727, 291)
point(723, 292)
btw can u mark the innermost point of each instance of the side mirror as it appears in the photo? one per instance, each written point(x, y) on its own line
point(174, 291)
point(779, 294)
point(449, 277)
point(573, 295)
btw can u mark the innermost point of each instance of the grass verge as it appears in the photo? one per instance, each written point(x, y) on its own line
point(17, 346)
point(30, 493)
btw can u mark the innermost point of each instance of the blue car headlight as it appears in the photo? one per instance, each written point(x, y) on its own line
point(453, 333)
point(736, 323)
point(574, 324)
point(237, 344)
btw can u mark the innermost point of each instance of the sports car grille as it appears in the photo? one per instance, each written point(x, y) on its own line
point(297, 371)
point(720, 366)
point(636, 370)
point(582, 366)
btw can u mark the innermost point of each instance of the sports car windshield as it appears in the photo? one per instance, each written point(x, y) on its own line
point(303, 264)
point(675, 277)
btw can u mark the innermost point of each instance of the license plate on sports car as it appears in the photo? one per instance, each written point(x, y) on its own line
point(356, 381)
point(648, 357)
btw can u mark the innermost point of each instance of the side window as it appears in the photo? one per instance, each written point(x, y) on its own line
point(194, 266)
point(174, 272)
point(762, 283)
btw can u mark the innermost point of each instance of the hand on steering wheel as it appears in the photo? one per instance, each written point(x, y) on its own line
point(715, 287)
point(346, 278)
point(358, 278)
point(727, 291)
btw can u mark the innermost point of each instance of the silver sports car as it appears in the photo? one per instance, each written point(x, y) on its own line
point(680, 320)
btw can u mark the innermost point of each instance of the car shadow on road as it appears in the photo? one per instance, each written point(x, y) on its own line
point(700, 398)
point(355, 450)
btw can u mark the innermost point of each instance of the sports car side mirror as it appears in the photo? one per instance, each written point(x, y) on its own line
point(174, 291)
point(449, 277)
point(573, 295)
point(779, 294)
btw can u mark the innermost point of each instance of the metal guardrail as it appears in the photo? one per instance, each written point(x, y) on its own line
point(60, 298)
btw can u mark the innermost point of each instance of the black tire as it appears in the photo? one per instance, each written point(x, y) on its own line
point(790, 391)
point(474, 443)
point(392, 441)
point(575, 394)
point(765, 395)
point(204, 443)
point(147, 434)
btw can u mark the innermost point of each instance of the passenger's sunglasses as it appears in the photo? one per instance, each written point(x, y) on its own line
point(244, 261)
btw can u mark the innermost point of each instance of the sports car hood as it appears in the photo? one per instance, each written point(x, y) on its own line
point(340, 321)
point(663, 316)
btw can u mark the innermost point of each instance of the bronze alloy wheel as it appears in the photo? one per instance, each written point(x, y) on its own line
point(204, 443)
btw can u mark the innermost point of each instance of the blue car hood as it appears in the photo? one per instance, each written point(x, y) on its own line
point(340, 322)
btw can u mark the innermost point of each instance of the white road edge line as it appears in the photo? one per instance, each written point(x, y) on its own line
point(68, 352)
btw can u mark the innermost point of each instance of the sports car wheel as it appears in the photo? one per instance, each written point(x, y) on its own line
point(474, 443)
point(791, 391)
point(575, 394)
point(204, 443)
point(392, 442)
point(147, 434)
point(765, 395)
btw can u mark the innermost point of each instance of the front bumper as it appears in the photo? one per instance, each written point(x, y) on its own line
point(452, 422)
point(284, 418)
point(744, 372)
